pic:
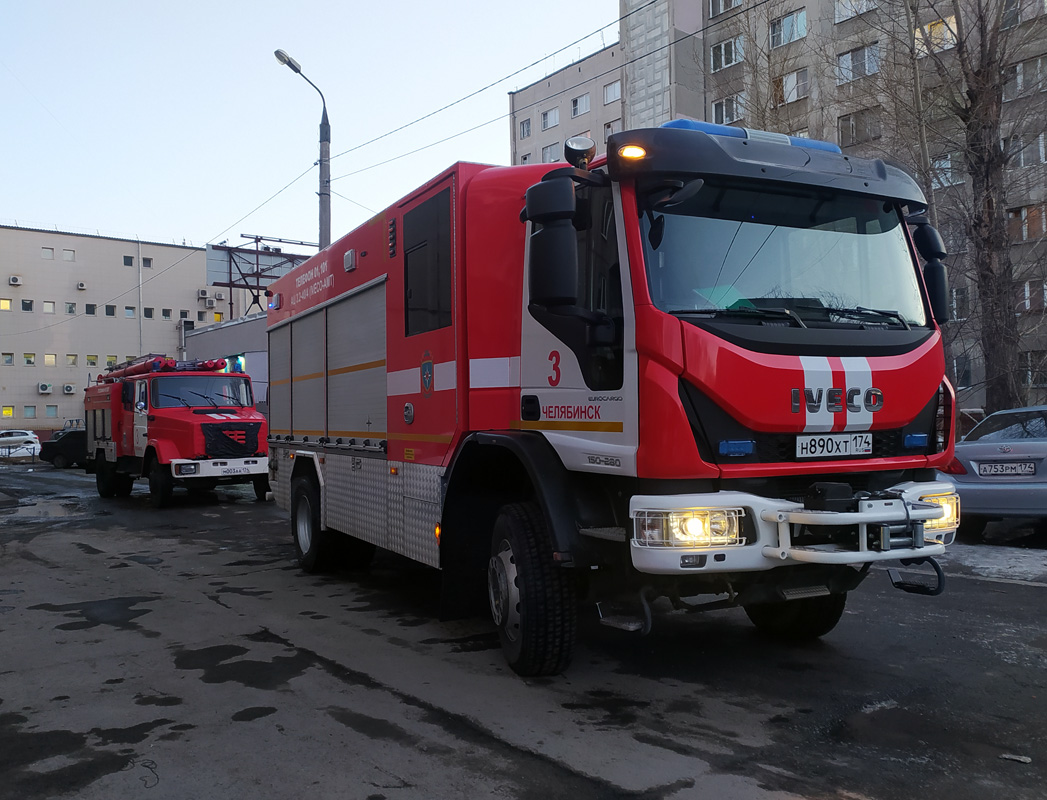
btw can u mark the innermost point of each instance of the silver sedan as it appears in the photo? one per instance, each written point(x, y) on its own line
point(1000, 469)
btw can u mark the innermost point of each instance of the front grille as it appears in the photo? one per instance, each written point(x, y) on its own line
point(231, 439)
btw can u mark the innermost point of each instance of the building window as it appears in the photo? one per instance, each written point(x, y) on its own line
point(110, 361)
point(936, 36)
point(129, 261)
point(961, 366)
point(201, 316)
point(525, 158)
point(803, 133)
point(70, 359)
point(27, 305)
point(7, 359)
point(69, 255)
point(1026, 77)
point(961, 302)
point(147, 263)
point(861, 126)
point(858, 63)
point(725, 54)
point(5, 303)
point(614, 126)
point(1025, 151)
point(47, 253)
point(9, 411)
point(29, 412)
point(845, 9)
point(1012, 14)
point(50, 360)
point(129, 312)
point(110, 311)
point(92, 361)
point(946, 171)
point(165, 313)
point(551, 153)
point(51, 412)
point(218, 316)
point(789, 28)
point(70, 308)
point(183, 314)
point(90, 308)
point(790, 88)
point(147, 312)
point(580, 105)
point(1025, 224)
point(1034, 292)
point(49, 307)
point(29, 359)
point(719, 6)
point(550, 118)
point(612, 92)
point(525, 128)
point(1033, 364)
point(727, 110)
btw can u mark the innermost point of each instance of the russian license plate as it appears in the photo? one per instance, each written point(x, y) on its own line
point(1007, 468)
point(234, 470)
point(834, 444)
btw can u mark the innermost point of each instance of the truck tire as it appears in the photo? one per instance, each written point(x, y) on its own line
point(123, 484)
point(533, 602)
point(315, 547)
point(105, 477)
point(261, 487)
point(161, 484)
point(798, 620)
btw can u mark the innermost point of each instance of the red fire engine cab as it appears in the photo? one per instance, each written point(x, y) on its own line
point(177, 423)
point(706, 364)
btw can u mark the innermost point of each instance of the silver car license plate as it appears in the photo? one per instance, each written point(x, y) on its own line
point(834, 444)
point(1007, 468)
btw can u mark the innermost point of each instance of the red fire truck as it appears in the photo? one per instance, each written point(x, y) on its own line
point(706, 364)
point(177, 423)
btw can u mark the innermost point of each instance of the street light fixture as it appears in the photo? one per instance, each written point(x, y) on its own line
point(325, 153)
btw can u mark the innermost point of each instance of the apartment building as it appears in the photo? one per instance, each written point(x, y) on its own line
point(582, 99)
point(73, 304)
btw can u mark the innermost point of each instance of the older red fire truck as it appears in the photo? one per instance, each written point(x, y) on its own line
point(177, 423)
point(705, 364)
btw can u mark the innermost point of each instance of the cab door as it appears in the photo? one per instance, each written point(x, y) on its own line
point(141, 417)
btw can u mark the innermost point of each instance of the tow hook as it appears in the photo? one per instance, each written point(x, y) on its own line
point(919, 587)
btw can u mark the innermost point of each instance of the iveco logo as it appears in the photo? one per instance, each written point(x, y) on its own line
point(836, 400)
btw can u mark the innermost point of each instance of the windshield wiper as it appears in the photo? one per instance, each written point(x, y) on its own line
point(208, 398)
point(231, 400)
point(182, 400)
point(860, 312)
point(744, 311)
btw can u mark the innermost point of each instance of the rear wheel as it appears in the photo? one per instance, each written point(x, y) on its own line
point(798, 620)
point(314, 546)
point(533, 602)
point(161, 484)
point(60, 461)
point(261, 487)
point(105, 477)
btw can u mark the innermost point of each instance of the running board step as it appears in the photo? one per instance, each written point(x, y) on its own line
point(805, 591)
point(919, 586)
point(623, 623)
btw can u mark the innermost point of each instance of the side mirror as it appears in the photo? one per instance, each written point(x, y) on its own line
point(929, 242)
point(937, 282)
point(553, 255)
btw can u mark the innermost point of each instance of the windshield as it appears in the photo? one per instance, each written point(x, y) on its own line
point(190, 391)
point(810, 259)
point(1010, 426)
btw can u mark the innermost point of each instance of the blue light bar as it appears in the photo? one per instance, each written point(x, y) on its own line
point(747, 133)
point(737, 447)
point(914, 440)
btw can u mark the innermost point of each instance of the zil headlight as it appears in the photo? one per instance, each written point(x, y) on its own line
point(187, 469)
point(693, 527)
point(951, 518)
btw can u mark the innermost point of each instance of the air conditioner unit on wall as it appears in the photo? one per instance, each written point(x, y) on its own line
point(81, 286)
point(15, 280)
point(69, 389)
point(209, 303)
point(219, 295)
point(202, 294)
point(44, 388)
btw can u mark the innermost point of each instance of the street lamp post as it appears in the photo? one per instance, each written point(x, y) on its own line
point(325, 153)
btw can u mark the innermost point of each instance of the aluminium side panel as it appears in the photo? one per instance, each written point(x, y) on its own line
point(307, 376)
point(280, 381)
point(356, 383)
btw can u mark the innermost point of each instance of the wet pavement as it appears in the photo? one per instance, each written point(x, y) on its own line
point(183, 654)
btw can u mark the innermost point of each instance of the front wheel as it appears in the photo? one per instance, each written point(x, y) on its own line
point(105, 477)
point(798, 620)
point(261, 487)
point(533, 602)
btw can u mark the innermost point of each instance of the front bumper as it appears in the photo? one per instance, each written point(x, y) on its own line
point(881, 530)
point(222, 469)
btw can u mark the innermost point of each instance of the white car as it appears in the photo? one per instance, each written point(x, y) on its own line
point(19, 443)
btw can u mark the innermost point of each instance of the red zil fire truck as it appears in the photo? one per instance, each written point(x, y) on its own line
point(705, 364)
point(177, 423)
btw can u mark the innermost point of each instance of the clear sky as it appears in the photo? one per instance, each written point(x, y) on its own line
point(174, 121)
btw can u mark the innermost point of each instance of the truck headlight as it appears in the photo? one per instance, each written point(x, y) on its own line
point(187, 469)
point(692, 527)
point(951, 519)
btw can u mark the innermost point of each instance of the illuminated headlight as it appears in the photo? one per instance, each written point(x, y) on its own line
point(693, 527)
point(951, 519)
point(187, 469)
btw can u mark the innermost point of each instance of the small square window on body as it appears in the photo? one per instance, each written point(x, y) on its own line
point(70, 308)
point(7, 359)
point(92, 361)
point(47, 253)
point(129, 312)
point(50, 360)
point(129, 261)
point(147, 312)
point(49, 306)
point(8, 411)
point(29, 412)
point(51, 412)
point(147, 263)
point(183, 314)
point(27, 305)
point(110, 361)
point(5, 303)
point(90, 309)
point(70, 359)
point(201, 316)
point(69, 255)
point(29, 359)
point(110, 311)
point(165, 313)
